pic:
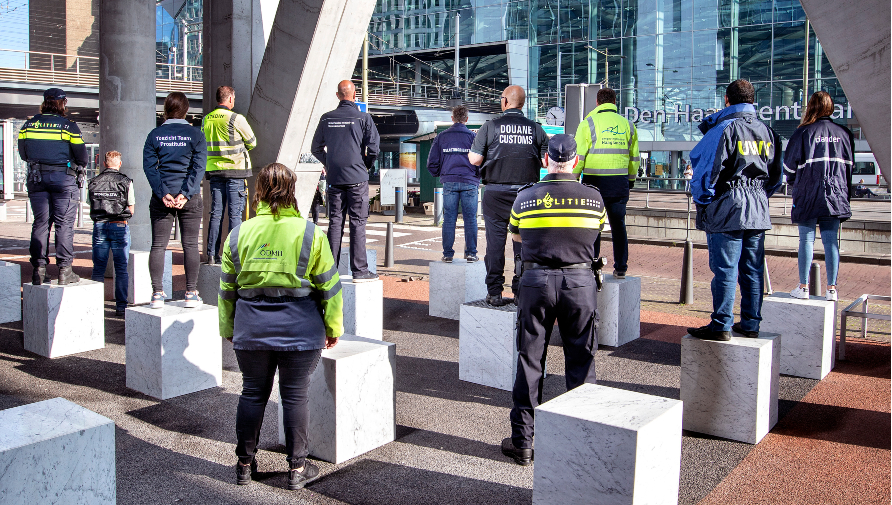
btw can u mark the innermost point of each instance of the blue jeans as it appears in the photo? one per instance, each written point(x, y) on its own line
point(453, 193)
point(829, 233)
point(229, 193)
point(114, 237)
point(736, 257)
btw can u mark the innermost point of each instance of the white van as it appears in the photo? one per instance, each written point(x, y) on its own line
point(866, 168)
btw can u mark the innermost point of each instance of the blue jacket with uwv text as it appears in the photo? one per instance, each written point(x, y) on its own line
point(737, 167)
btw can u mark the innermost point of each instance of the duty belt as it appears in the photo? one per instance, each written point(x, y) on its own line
point(532, 265)
point(50, 168)
point(505, 187)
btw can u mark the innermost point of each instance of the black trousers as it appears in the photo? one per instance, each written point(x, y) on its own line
point(162, 223)
point(258, 372)
point(497, 202)
point(616, 216)
point(352, 200)
point(568, 296)
point(54, 202)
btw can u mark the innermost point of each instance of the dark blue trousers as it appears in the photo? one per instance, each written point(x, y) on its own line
point(53, 200)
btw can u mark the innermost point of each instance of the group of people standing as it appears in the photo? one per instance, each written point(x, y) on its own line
point(280, 268)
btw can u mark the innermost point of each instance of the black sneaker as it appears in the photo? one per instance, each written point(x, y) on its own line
point(39, 276)
point(243, 472)
point(447, 259)
point(212, 261)
point(619, 275)
point(365, 277)
point(120, 313)
point(707, 333)
point(497, 300)
point(67, 276)
point(297, 480)
point(744, 333)
point(470, 258)
point(522, 457)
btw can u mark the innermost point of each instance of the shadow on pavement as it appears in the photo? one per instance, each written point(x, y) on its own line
point(412, 317)
point(439, 379)
point(377, 482)
point(450, 443)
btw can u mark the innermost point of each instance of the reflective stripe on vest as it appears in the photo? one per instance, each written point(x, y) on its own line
point(605, 171)
point(233, 249)
point(591, 128)
point(273, 292)
point(303, 260)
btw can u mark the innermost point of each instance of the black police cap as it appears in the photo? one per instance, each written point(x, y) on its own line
point(562, 147)
point(53, 94)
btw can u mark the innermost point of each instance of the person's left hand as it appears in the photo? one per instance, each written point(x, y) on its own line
point(180, 201)
point(331, 342)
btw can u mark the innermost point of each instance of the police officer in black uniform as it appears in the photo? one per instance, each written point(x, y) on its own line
point(55, 152)
point(557, 220)
point(509, 149)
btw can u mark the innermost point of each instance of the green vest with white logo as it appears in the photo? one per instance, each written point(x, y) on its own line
point(607, 144)
point(229, 138)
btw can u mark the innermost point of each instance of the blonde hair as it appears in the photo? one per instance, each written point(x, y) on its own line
point(819, 105)
point(111, 156)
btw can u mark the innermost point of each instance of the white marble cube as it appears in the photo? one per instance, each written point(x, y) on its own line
point(209, 283)
point(10, 292)
point(808, 327)
point(452, 284)
point(344, 263)
point(139, 284)
point(606, 446)
point(487, 345)
point(173, 351)
point(63, 320)
point(729, 389)
point(352, 400)
point(363, 308)
point(56, 451)
point(619, 309)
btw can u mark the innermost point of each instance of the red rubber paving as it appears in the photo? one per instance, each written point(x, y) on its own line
point(833, 447)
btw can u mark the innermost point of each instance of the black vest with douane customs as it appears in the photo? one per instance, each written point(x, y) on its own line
point(108, 196)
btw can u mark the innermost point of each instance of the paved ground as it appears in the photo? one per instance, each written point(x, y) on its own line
point(831, 445)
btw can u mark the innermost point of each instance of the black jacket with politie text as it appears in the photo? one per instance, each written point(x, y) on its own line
point(818, 162)
point(346, 142)
point(512, 147)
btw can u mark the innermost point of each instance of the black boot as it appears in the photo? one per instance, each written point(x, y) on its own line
point(38, 276)
point(67, 276)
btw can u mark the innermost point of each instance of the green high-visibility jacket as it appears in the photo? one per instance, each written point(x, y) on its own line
point(607, 144)
point(229, 138)
point(284, 256)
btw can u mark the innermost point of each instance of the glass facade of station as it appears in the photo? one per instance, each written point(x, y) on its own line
point(660, 55)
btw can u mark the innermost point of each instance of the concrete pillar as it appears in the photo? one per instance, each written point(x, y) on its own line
point(127, 96)
point(312, 46)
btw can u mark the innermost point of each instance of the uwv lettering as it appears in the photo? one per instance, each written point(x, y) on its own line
point(753, 148)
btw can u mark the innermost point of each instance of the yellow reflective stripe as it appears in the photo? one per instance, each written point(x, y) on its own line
point(561, 222)
point(560, 211)
point(42, 136)
point(513, 221)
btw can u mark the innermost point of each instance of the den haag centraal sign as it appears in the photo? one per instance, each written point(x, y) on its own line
point(686, 114)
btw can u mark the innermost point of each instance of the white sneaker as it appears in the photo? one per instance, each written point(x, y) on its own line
point(831, 295)
point(799, 292)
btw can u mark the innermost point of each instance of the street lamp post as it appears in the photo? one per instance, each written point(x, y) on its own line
point(606, 53)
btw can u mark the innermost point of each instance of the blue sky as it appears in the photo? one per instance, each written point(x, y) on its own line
point(13, 32)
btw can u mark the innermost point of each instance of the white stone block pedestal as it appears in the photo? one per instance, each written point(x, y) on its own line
point(139, 286)
point(63, 320)
point(619, 309)
point(605, 446)
point(56, 451)
point(10, 292)
point(808, 327)
point(209, 283)
point(363, 308)
point(173, 351)
point(487, 345)
point(452, 284)
point(729, 389)
point(352, 400)
point(344, 262)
